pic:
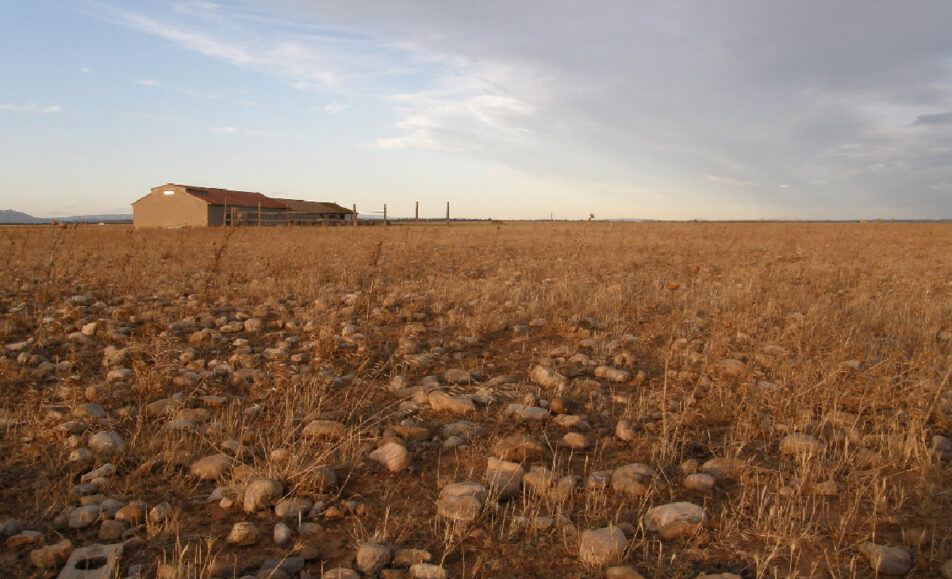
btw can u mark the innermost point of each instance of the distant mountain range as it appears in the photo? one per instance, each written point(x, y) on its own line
point(11, 217)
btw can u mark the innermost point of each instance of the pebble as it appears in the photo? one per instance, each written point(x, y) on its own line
point(407, 557)
point(799, 445)
point(612, 374)
point(282, 534)
point(442, 402)
point(457, 376)
point(106, 443)
point(731, 368)
point(518, 447)
point(341, 573)
point(602, 546)
point(622, 572)
point(82, 517)
point(675, 519)
point(393, 456)
point(51, 556)
point(243, 534)
point(624, 431)
point(699, 482)
point(504, 478)
point(548, 378)
point(372, 557)
point(324, 430)
point(211, 467)
point(461, 501)
point(24, 538)
point(887, 560)
point(261, 493)
point(427, 571)
point(576, 441)
point(160, 512)
point(293, 507)
point(633, 479)
point(527, 412)
point(723, 468)
point(134, 512)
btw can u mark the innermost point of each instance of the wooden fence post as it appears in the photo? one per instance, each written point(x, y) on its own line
point(417, 216)
point(355, 215)
point(259, 214)
point(447, 212)
point(384, 214)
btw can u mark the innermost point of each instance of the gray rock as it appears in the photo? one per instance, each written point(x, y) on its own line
point(633, 479)
point(675, 519)
point(106, 443)
point(602, 546)
point(51, 556)
point(461, 501)
point(548, 378)
point(293, 507)
point(211, 467)
point(427, 571)
point(393, 456)
point(504, 478)
point(372, 557)
point(261, 493)
point(799, 445)
point(887, 560)
point(699, 482)
point(282, 534)
point(82, 517)
point(243, 534)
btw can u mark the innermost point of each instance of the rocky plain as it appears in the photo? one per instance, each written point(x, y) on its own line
point(505, 400)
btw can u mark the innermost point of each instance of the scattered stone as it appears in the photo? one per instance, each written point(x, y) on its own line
point(576, 441)
point(622, 572)
point(372, 557)
point(82, 517)
point(393, 456)
point(461, 501)
point(261, 493)
point(294, 507)
point(612, 374)
point(799, 445)
point(212, 467)
point(243, 534)
point(51, 556)
point(731, 368)
point(504, 478)
point(341, 573)
point(887, 560)
point(111, 530)
point(427, 571)
point(106, 443)
point(548, 378)
point(160, 512)
point(518, 447)
point(324, 430)
point(602, 546)
point(946, 569)
point(942, 445)
point(624, 431)
point(407, 557)
point(24, 538)
point(527, 412)
point(827, 488)
point(457, 376)
point(723, 468)
point(699, 482)
point(633, 479)
point(282, 534)
point(442, 402)
point(675, 519)
point(133, 513)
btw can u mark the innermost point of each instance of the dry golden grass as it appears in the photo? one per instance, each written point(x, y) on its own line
point(845, 331)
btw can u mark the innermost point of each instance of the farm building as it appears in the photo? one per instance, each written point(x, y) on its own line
point(172, 205)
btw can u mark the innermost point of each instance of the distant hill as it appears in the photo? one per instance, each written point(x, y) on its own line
point(11, 217)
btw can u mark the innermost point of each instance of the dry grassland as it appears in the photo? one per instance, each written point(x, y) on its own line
point(809, 361)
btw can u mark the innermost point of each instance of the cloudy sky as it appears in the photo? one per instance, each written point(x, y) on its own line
point(508, 109)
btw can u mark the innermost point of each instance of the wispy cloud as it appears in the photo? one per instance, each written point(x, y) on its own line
point(934, 119)
point(30, 108)
point(230, 130)
point(182, 90)
point(731, 182)
point(85, 70)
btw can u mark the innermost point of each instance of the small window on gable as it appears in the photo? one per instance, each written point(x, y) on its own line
point(169, 192)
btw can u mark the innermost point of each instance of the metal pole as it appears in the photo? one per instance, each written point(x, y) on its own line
point(355, 215)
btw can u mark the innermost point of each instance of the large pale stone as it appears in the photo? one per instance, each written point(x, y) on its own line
point(261, 493)
point(442, 402)
point(675, 519)
point(461, 501)
point(602, 546)
point(372, 557)
point(243, 534)
point(211, 467)
point(504, 478)
point(106, 443)
point(324, 430)
point(633, 479)
point(799, 445)
point(393, 456)
point(547, 378)
point(518, 447)
point(887, 560)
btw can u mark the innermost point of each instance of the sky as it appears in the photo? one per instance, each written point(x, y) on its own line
point(506, 109)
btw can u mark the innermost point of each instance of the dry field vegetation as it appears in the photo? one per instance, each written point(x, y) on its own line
point(784, 386)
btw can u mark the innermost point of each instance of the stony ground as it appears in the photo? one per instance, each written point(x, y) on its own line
point(504, 400)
